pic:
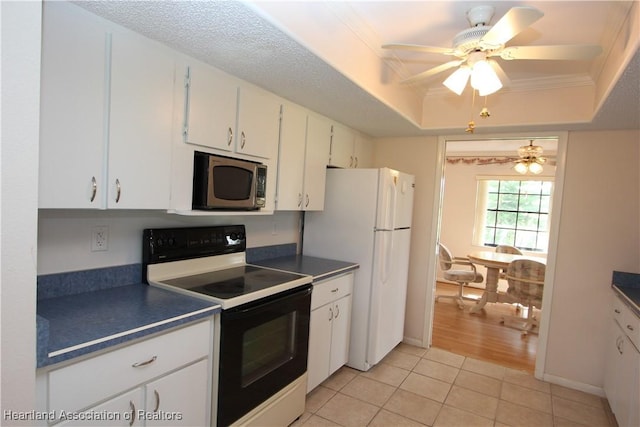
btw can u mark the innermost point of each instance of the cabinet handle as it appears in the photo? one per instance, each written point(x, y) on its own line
point(94, 188)
point(337, 312)
point(350, 161)
point(155, 392)
point(118, 190)
point(299, 199)
point(145, 363)
point(307, 201)
point(629, 327)
point(616, 311)
point(334, 290)
point(619, 345)
point(355, 163)
point(133, 412)
point(330, 314)
point(243, 139)
point(229, 136)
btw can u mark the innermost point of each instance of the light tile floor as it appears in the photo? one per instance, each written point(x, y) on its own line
point(416, 387)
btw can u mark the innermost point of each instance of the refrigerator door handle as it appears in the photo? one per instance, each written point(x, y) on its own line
point(387, 250)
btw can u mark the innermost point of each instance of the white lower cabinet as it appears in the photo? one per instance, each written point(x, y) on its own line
point(329, 329)
point(163, 381)
point(622, 370)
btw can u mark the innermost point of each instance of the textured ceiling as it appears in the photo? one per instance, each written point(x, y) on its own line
point(239, 40)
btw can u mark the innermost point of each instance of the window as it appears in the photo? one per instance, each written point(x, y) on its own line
point(513, 212)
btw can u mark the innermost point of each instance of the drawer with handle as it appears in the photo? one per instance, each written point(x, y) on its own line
point(82, 384)
point(628, 321)
point(331, 289)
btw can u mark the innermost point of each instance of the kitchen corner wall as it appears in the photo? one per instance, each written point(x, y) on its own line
point(64, 236)
point(598, 233)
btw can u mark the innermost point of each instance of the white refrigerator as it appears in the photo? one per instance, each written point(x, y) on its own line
point(367, 220)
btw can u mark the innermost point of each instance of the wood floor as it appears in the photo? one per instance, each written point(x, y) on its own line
point(481, 336)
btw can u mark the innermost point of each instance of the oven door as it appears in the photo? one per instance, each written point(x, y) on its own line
point(263, 348)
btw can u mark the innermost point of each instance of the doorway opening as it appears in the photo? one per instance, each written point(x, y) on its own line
point(466, 165)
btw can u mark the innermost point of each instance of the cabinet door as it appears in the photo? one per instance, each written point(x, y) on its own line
point(258, 123)
point(632, 362)
point(123, 410)
point(362, 152)
point(319, 346)
point(179, 399)
point(141, 110)
point(342, 140)
point(613, 357)
point(72, 108)
point(315, 166)
point(340, 333)
point(209, 108)
point(291, 165)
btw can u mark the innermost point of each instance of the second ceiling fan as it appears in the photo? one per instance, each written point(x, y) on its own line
point(475, 47)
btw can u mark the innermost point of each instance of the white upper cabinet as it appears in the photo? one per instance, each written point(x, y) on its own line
point(106, 114)
point(350, 149)
point(302, 162)
point(342, 141)
point(209, 108)
point(221, 115)
point(293, 130)
point(315, 171)
point(72, 119)
point(258, 123)
point(141, 109)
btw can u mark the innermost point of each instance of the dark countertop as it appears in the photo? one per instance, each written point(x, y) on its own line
point(628, 286)
point(74, 325)
point(319, 268)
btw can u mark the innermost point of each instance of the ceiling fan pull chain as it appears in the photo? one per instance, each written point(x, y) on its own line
point(471, 126)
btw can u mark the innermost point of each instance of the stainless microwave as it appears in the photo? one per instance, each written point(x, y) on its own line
point(221, 182)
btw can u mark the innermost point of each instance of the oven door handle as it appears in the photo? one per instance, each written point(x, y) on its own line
point(288, 298)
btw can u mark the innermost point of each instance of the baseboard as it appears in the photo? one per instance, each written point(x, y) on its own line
point(587, 388)
point(412, 341)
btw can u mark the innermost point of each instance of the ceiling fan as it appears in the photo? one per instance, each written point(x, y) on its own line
point(475, 46)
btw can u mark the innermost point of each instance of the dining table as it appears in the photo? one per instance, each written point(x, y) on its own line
point(495, 262)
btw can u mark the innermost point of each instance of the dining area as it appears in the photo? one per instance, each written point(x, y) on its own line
point(484, 270)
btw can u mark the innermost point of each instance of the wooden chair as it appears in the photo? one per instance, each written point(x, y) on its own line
point(526, 284)
point(461, 276)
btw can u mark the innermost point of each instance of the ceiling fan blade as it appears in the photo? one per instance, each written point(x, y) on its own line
point(512, 23)
point(419, 48)
point(559, 52)
point(433, 71)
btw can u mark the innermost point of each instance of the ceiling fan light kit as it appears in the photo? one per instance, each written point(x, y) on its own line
point(457, 81)
point(530, 159)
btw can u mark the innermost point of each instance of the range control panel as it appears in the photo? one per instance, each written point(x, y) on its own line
point(173, 244)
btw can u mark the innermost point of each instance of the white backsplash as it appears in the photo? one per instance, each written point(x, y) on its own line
point(65, 236)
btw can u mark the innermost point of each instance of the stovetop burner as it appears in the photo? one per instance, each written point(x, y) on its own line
point(232, 282)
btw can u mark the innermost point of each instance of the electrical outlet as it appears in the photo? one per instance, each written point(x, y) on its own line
point(100, 238)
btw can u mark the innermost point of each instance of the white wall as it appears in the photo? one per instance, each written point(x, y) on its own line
point(417, 156)
point(21, 27)
point(599, 233)
point(64, 237)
